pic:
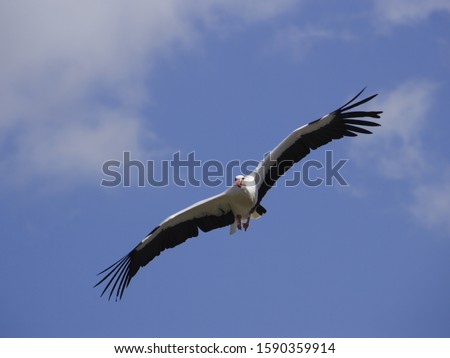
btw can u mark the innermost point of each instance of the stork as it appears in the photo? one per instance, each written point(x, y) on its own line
point(242, 201)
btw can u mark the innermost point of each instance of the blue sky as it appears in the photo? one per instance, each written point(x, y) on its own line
point(84, 81)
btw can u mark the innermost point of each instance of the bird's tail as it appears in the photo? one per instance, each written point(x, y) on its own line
point(233, 228)
point(258, 211)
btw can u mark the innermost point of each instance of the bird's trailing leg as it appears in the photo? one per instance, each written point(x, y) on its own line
point(246, 224)
point(239, 222)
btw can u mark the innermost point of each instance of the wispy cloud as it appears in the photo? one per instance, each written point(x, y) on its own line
point(431, 202)
point(74, 76)
point(300, 40)
point(404, 118)
point(400, 150)
point(400, 12)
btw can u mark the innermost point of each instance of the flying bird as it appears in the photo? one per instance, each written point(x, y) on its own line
point(241, 202)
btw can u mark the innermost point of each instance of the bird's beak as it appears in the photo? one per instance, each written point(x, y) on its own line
point(238, 182)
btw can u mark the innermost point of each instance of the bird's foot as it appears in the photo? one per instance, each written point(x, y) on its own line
point(245, 225)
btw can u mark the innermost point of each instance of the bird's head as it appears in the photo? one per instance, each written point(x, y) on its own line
point(239, 180)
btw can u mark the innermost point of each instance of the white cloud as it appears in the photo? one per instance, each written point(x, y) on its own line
point(75, 149)
point(299, 41)
point(252, 10)
point(400, 150)
point(431, 203)
point(399, 12)
point(397, 149)
point(74, 74)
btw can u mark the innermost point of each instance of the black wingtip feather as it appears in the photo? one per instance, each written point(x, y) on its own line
point(357, 129)
point(353, 99)
point(119, 275)
point(359, 122)
point(349, 106)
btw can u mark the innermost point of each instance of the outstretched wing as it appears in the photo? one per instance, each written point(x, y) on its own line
point(205, 215)
point(297, 145)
